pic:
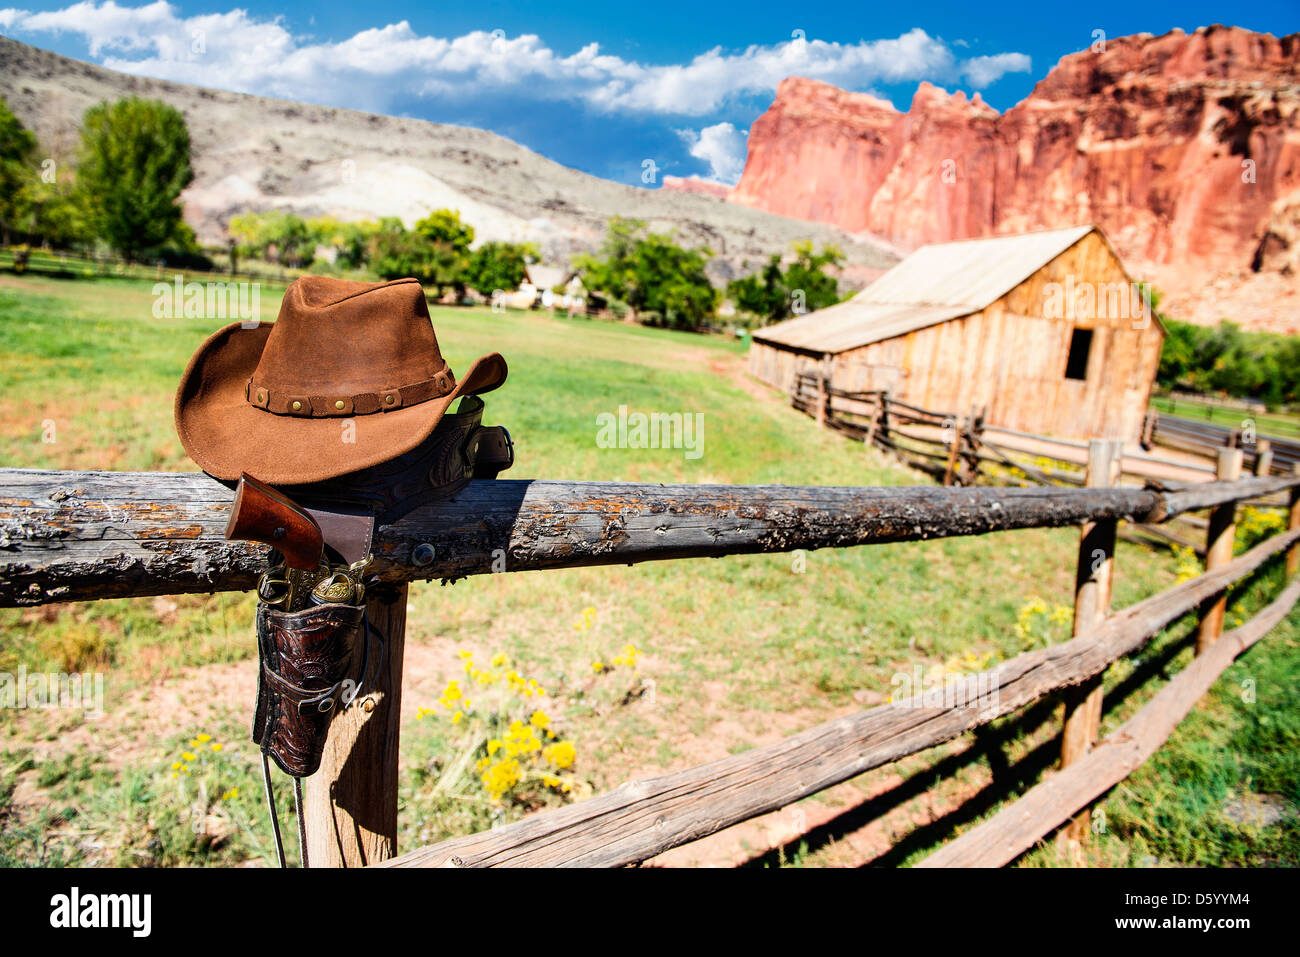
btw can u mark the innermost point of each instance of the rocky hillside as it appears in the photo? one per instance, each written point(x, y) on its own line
point(1185, 148)
point(254, 153)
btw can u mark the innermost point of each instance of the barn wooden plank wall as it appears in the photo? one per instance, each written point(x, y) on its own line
point(1008, 359)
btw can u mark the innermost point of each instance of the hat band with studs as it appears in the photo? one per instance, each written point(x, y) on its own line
point(363, 403)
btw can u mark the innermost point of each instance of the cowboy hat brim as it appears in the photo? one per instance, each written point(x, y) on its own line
point(227, 435)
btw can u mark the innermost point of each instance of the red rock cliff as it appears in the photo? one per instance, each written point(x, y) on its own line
point(1147, 139)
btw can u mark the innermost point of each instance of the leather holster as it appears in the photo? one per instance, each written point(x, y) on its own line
point(310, 661)
point(308, 655)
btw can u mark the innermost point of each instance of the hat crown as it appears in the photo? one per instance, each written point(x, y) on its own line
point(339, 336)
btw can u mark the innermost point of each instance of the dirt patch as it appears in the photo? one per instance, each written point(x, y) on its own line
point(1258, 810)
point(734, 368)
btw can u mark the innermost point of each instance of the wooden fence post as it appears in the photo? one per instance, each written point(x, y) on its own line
point(954, 443)
point(823, 394)
point(350, 804)
point(970, 452)
point(1218, 550)
point(1149, 422)
point(1092, 582)
point(1263, 456)
point(1293, 553)
point(874, 424)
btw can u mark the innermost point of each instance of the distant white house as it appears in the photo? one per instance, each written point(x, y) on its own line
point(548, 287)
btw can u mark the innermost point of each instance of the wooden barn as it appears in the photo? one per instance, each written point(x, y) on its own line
point(1045, 331)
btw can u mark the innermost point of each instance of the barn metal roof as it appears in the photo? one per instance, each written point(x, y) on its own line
point(936, 283)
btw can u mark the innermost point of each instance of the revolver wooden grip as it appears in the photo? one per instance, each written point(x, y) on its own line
point(261, 514)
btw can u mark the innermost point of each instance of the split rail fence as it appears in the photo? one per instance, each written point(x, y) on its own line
point(968, 450)
point(77, 536)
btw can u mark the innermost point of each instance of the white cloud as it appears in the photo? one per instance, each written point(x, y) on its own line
point(235, 50)
point(980, 71)
point(107, 24)
point(10, 16)
point(722, 146)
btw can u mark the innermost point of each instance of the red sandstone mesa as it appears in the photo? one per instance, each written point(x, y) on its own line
point(1184, 148)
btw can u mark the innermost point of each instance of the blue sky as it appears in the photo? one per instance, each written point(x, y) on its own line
point(602, 87)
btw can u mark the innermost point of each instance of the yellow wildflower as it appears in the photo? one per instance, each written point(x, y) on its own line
point(501, 777)
point(188, 756)
point(216, 745)
point(561, 754)
point(230, 795)
point(540, 720)
point(204, 738)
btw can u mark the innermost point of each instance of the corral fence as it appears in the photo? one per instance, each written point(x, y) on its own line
point(62, 264)
point(1263, 454)
point(77, 536)
point(968, 450)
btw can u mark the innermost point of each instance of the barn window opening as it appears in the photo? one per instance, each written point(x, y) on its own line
point(1076, 366)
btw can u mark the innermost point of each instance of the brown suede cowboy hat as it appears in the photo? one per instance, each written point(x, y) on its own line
point(270, 399)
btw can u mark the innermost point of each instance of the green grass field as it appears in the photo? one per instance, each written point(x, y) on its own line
point(1275, 424)
point(733, 652)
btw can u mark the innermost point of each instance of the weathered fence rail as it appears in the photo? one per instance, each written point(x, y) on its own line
point(75, 536)
point(1205, 438)
point(70, 536)
point(959, 448)
point(1015, 829)
point(644, 818)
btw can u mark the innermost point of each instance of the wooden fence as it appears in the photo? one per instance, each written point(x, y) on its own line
point(70, 265)
point(71, 536)
point(968, 450)
point(964, 448)
point(1262, 453)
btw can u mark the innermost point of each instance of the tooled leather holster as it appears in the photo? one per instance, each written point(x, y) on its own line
point(312, 663)
point(315, 661)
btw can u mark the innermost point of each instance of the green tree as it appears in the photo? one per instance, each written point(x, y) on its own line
point(671, 282)
point(664, 282)
point(446, 259)
point(807, 280)
point(774, 294)
point(396, 252)
point(135, 161)
point(445, 226)
point(350, 241)
point(17, 152)
point(498, 265)
point(762, 294)
point(611, 272)
point(276, 236)
point(52, 208)
point(1227, 359)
